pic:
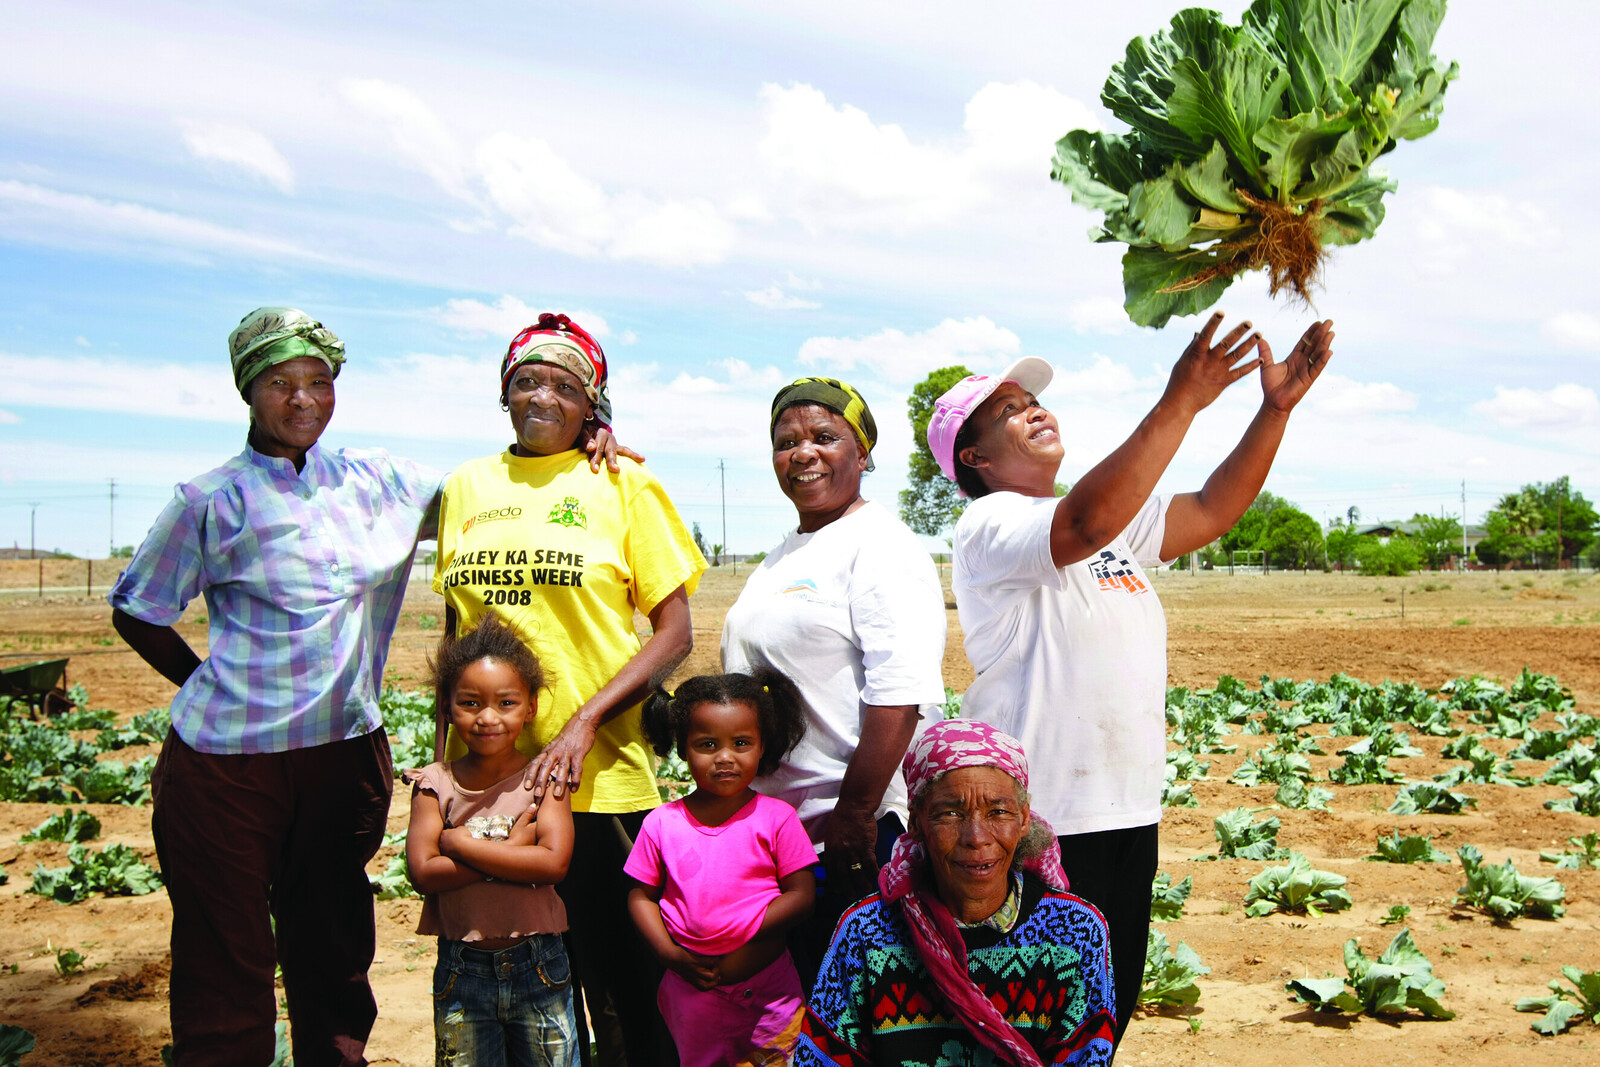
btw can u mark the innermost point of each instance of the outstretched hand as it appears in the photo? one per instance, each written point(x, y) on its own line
point(1283, 384)
point(1206, 369)
point(602, 445)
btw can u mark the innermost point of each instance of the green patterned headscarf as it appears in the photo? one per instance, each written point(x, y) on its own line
point(838, 397)
point(269, 336)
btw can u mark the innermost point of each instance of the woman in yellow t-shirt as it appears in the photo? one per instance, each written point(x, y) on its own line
point(565, 556)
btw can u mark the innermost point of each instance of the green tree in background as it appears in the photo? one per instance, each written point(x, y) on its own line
point(1398, 557)
point(1437, 538)
point(1291, 538)
point(1542, 522)
point(1341, 542)
point(930, 503)
point(1252, 525)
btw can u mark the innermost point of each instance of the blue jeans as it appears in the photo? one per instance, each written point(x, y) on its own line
point(511, 1007)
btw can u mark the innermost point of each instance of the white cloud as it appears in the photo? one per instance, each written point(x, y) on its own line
point(774, 298)
point(1573, 329)
point(1456, 216)
point(1102, 380)
point(82, 341)
point(1098, 314)
point(794, 281)
point(1561, 408)
point(837, 168)
point(33, 212)
point(1016, 127)
point(553, 205)
point(507, 316)
point(8, 418)
point(741, 373)
point(417, 132)
point(239, 146)
point(1335, 394)
point(112, 385)
point(898, 357)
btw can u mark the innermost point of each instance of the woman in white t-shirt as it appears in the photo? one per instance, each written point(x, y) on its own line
point(1061, 623)
point(850, 607)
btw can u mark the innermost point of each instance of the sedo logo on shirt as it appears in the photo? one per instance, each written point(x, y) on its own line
point(491, 515)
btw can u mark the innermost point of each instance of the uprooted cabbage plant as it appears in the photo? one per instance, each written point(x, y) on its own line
point(1253, 146)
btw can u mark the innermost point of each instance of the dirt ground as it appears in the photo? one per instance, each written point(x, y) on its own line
point(1425, 628)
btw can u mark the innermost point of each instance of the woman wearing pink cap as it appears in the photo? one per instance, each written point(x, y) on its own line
point(1061, 623)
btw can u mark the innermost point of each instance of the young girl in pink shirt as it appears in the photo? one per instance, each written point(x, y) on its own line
point(488, 856)
point(723, 873)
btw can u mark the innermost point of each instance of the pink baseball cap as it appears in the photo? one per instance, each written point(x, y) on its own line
point(951, 411)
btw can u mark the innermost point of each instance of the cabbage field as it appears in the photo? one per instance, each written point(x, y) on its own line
point(1382, 833)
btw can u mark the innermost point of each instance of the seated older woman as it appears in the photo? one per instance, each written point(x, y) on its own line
point(973, 951)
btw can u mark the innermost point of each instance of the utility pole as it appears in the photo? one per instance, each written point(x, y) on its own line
point(111, 526)
point(33, 543)
point(722, 470)
point(1463, 524)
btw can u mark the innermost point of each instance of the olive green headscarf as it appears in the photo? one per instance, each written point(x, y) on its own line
point(839, 397)
point(269, 336)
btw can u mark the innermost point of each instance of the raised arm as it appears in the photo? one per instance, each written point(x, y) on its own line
point(1197, 519)
point(1106, 499)
point(160, 646)
point(560, 765)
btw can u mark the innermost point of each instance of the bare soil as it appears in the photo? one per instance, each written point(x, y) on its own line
point(1425, 628)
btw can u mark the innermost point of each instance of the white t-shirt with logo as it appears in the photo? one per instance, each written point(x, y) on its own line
point(854, 614)
point(1072, 660)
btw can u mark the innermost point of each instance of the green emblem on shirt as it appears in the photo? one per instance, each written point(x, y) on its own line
point(569, 513)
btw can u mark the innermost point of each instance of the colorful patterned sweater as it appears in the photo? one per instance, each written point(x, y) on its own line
point(1050, 976)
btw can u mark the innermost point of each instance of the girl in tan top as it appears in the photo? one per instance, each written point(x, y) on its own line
point(488, 862)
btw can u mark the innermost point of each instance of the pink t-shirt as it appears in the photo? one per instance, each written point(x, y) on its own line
point(490, 909)
point(718, 880)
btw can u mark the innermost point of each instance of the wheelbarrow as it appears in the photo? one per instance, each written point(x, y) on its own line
point(41, 685)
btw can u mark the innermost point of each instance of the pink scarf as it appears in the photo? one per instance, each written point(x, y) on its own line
point(946, 746)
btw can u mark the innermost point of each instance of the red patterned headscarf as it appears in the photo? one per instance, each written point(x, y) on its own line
point(557, 340)
point(945, 747)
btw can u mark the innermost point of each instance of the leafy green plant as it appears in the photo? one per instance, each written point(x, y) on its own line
point(1169, 974)
point(146, 728)
point(1385, 742)
point(409, 719)
point(66, 826)
point(1413, 848)
point(1253, 146)
point(1504, 892)
point(395, 881)
point(1431, 798)
point(1167, 900)
point(116, 871)
point(1295, 887)
point(1585, 798)
point(1576, 764)
point(15, 1043)
point(1483, 767)
point(1241, 837)
point(86, 719)
point(1267, 765)
point(1401, 979)
point(114, 782)
point(69, 961)
point(1295, 793)
point(1363, 768)
point(1587, 854)
point(1398, 913)
point(1186, 766)
point(1563, 1007)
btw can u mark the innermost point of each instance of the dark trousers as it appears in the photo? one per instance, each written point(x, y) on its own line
point(808, 942)
point(245, 841)
point(1112, 870)
point(609, 957)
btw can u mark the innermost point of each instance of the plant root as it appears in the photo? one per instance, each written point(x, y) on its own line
point(1287, 244)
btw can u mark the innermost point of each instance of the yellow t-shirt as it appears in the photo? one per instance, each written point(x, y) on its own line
point(564, 556)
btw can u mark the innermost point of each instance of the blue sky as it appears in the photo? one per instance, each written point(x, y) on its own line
point(731, 195)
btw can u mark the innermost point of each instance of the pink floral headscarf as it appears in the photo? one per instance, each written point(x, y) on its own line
point(945, 747)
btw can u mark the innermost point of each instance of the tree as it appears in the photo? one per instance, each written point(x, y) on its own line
point(1251, 526)
point(1567, 519)
point(1398, 557)
point(1341, 542)
point(1437, 537)
point(930, 503)
point(1291, 537)
point(716, 555)
point(699, 541)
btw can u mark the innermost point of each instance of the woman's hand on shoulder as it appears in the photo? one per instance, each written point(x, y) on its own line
point(602, 445)
point(558, 770)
